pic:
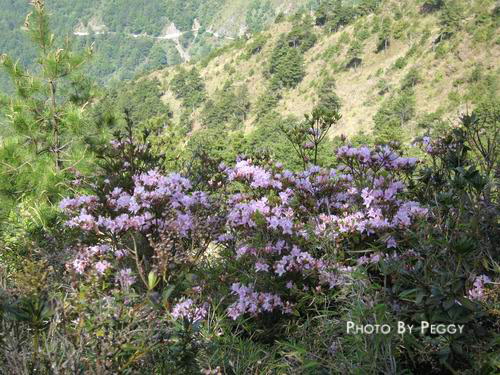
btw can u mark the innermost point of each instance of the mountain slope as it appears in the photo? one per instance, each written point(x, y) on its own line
point(132, 37)
point(433, 74)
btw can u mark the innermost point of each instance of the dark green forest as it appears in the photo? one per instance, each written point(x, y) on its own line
point(118, 54)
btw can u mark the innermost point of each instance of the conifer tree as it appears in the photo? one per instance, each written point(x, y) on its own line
point(354, 53)
point(48, 103)
point(189, 86)
point(384, 37)
point(328, 98)
point(451, 18)
point(287, 65)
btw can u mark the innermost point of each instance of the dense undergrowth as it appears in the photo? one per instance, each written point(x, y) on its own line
point(125, 251)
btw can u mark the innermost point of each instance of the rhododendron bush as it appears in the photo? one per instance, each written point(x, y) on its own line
point(287, 231)
point(173, 221)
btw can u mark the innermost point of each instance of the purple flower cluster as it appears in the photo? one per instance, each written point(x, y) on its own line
point(102, 266)
point(92, 256)
point(257, 176)
point(156, 205)
point(89, 201)
point(188, 310)
point(137, 211)
point(252, 302)
point(125, 278)
point(477, 292)
point(297, 261)
point(382, 157)
point(100, 260)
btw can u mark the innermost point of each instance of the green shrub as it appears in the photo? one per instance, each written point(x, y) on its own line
point(345, 38)
point(400, 28)
point(266, 102)
point(328, 99)
point(185, 123)
point(383, 87)
point(411, 79)
point(432, 122)
point(451, 17)
point(331, 52)
point(425, 36)
point(400, 63)
point(455, 98)
point(362, 32)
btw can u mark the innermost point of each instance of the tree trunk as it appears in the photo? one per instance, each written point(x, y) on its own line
point(57, 141)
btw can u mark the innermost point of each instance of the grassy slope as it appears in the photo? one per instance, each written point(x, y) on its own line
point(233, 13)
point(357, 89)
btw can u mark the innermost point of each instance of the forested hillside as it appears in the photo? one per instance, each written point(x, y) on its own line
point(132, 37)
point(394, 70)
point(320, 195)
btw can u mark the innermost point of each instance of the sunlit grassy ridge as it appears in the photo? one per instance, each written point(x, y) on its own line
point(445, 84)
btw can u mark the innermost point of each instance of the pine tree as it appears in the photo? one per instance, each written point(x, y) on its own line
point(189, 86)
point(287, 65)
point(48, 103)
point(354, 53)
point(384, 38)
point(392, 115)
point(451, 18)
point(328, 99)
